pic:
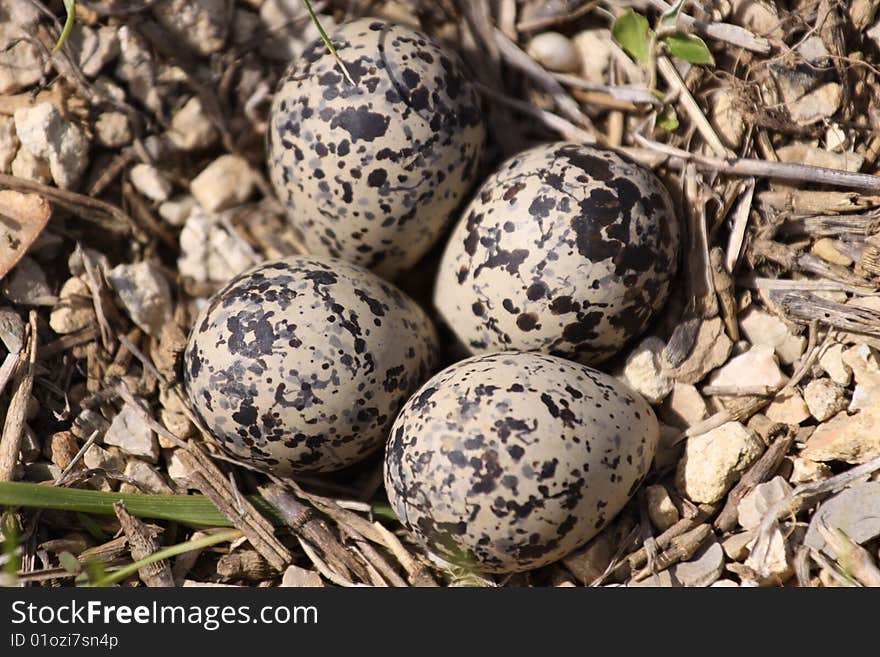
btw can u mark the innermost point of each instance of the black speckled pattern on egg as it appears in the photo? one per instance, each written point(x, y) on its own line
point(510, 461)
point(566, 249)
point(301, 364)
point(371, 173)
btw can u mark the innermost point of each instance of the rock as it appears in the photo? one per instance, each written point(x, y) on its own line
point(684, 406)
point(296, 577)
point(208, 252)
point(817, 105)
point(663, 579)
point(594, 47)
point(131, 434)
point(191, 129)
point(832, 362)
point(853, 510)
point(555, 52)
point(144, 293)
point(45, 133)
point(74, 309)
point(178, 424)
point(8, 143)
point(11, 330)
point(804, 471)
point(789, 408)
point(177, 472)
point(87, 423)
point(756, 367)
point(642, 371)
point(711, 349)
point(113, 129)
point(64, 448)
point(26, 284)
point(761, 17)
point(776, 565)
point(725, 117)
point(661, 508)
point(39, 472)
point(714, 461)
point(703, 568)
point(589, 562)
point(245, 25)
point(851, 438)
point(824, 398)
point(801, 153)
point(96, 457)
point(93, 48)
point(147, 476)
point(176, 211)
point(287, 29)
point(762, 328)
point(724, 583)
point(862, 360)
point(150, 182)
point(755, 504)
point(864, 396)
point(137, 68)
point(736, 546)
point(201, 24)
point(20, 63)
point(27, 166)
point(226, 182)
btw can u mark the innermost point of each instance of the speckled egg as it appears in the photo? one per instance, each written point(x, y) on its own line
point(566, 249)
point(301, 364)
point(372, 172)
point(509, 461)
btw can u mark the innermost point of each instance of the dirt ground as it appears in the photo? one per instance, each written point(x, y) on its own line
point(133, 185)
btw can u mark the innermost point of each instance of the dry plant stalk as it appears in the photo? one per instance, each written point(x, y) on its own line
point(143, 542)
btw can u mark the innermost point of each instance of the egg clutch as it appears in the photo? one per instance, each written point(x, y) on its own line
point(502, 462)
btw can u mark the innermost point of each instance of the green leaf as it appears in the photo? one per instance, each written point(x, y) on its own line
point(690, 48)
point(70, 8)
point(669, 18)
point(668, 119)
point(328, 42)
point(632, 32)
point(195, 510)
point(69, 562)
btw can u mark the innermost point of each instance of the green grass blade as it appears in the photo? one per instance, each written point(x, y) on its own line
point(70, 8)
point(328, 42)
point(187, 509)
point(167, 553)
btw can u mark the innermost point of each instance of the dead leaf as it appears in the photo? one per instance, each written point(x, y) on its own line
point(22, 219)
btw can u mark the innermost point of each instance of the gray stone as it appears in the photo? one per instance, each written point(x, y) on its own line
point(20, 64)
point(703, 569)
point(11, 330)
point(755, 504)
point(26, 284)
point(46, 134)
point(763, 328)
point(131, 434)
point(144, 293)
point(96, 457)
point(855, 511)
point(150, 480)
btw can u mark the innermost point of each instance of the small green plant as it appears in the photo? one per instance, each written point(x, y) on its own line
point(327, 41)
point(634, 34)
point(70, 8)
